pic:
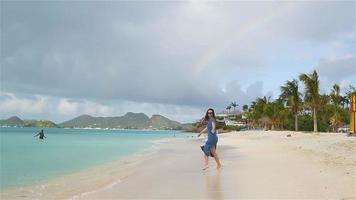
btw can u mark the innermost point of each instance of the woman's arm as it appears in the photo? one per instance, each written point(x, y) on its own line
point(201, 132)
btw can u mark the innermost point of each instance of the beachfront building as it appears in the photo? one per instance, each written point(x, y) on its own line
point(234, 123)
point(231, 119)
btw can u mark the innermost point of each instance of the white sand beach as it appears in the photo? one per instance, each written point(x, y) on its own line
point(256, 164)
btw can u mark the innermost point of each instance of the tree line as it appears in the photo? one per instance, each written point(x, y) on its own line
point(307, 111)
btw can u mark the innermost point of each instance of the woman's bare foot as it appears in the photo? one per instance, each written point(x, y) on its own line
point(218, 167)
point(205, 167)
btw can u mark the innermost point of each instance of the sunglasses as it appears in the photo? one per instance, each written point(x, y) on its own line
point(210, 112)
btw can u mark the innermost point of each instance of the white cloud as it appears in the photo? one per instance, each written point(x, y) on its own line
point(165, 53)
point(340, 70)
point(173, 58)
point(66, 107)
point(62, 109)
point(96, 109)
point(9, 103)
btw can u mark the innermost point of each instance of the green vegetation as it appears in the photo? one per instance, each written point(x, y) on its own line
point(291, 95)
point(312, 98)
point(160, 122)
point(17, 122)
point(128, 121)
point(41, 124)
point(12, 121)
point(293, 110)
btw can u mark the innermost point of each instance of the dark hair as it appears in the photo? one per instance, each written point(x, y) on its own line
point(206, 118)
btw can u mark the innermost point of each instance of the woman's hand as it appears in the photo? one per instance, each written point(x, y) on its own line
point(199, 134)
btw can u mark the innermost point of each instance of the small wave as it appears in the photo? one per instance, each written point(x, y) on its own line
point(95, 191)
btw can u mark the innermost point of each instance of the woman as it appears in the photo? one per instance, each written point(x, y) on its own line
point(209, 148)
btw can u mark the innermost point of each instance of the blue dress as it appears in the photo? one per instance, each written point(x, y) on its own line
point(212, 140)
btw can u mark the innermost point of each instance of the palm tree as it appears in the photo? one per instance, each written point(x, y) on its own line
point(337, 100)
point(344, 101)
point(267, 99)
point(335, 95)
point(269, 115)
point(312, 97)
point(245, 108)
point(336, 121)
point(280, 114)
point(350, 92)
point(251, 117)
point(260, 111)
point(233, 104)
point(291, 95)
point(228, 108)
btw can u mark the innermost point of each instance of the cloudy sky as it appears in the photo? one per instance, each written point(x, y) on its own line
point(63, 59)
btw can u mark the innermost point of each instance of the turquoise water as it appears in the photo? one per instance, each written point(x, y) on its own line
point(28, 160)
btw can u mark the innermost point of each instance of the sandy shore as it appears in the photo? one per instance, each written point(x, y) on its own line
point(256, 164)
point(261, 165)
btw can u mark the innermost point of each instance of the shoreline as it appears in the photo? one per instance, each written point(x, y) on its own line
point(90, 179)
point(256, 164)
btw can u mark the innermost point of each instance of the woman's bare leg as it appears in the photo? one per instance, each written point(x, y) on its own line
point(206, 162)
point(216, 156)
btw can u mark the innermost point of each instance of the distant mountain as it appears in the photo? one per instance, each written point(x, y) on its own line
point(17, 122)
point(129, 121)
point(81, 121)
point(40, 124)
point(12, 122)
point(186, 126)
point(134, 120)
point(160, 122)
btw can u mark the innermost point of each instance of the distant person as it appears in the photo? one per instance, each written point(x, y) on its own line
point(40, 134)
point(209, 148)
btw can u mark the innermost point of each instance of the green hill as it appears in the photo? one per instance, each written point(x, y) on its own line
point(17, 122)
point(12, 122)
point(161, 122)
point(128, 121)
point(81, 121)
point(41, 124)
